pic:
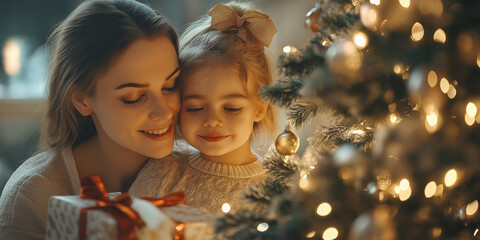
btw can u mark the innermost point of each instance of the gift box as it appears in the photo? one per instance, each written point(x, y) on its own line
point(119, 216)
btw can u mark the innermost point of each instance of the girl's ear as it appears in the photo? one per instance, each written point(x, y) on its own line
point(261, 112)
point(82, 104)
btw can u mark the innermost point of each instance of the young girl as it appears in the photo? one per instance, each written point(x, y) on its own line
point(223, 67)
point(112, 104)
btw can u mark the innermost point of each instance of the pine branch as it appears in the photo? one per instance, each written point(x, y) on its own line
point(300, 113)
point(283, 93)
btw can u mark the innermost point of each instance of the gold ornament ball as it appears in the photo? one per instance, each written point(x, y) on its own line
point(312, 17)
point(287, 142)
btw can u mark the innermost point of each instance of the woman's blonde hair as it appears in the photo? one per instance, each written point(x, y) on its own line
point(202, 46)
point(83, 47)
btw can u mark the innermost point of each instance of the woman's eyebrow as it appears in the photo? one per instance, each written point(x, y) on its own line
point(173, 73)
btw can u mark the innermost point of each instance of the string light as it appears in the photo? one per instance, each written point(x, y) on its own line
point(471, 208)
point(437, 232)
point(289, 49)
point(226, 208)
point(444, 85)
point(469, 120)
point(452, 92)
point(404, 184)
point(405, 194)
point(430, 189)
point(397, 68)
point(450, 177)
point(471, 109)
point(405, 3)
point(311, 234)
point(262, 227)
point(417, 32)
point(440, 36)
point(330, 233)
point(12, 61)
point(368, 16)
point(324, 209)
point(375, 2)
point(361, 40)
point(432, 79)
point(478, 60)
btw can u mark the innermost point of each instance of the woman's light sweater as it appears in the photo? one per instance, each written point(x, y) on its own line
point(207, 184)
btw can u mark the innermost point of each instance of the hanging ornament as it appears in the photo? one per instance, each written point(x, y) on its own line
point(344, 62)
point(287, 142)
point(312, 18)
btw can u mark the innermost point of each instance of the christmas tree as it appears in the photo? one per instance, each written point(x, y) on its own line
point(402, 158)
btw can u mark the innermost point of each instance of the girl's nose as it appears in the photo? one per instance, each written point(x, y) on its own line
point(213, 120)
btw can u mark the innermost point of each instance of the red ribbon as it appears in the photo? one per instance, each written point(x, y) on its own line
point(120, 208)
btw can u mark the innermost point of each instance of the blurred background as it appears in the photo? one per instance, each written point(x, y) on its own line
point(24, 28)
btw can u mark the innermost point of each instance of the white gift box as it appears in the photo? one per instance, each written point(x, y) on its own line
point(160, 223)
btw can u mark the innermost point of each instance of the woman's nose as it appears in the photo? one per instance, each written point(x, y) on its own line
point(161, 110)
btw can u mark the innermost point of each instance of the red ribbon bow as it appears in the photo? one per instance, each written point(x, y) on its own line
point(120, 208)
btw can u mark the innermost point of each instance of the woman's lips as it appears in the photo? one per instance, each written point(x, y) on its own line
point(158, 137)
point(213, 137)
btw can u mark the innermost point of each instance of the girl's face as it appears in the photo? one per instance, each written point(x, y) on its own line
point(136, 102)
point(217, 115)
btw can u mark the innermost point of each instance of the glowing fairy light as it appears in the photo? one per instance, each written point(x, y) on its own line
point(381, 196)
point(330, 233)
point(432, 119)
point(324, 209)
point(375, 2)
point(262, 227)
point(452, 92)
point(397, 189)
point(397, 68)
point(450, 177)
point(430, 189)
point(368, 16)
point(471, 109)
point(478, 60)
point(226, 208)
point(417, 32)
point(289, 49)
point(469, 120)
point(405, 194)
point(439, 191)
point(311, 234)
point(304, 184)
point(475, 233)
point(440, 36)
point(12, 57)
point(444, 85)
point(432, 79)
point(405, 3)
point(361, 40)
point(394, 118)
point(437, 232)
point(471, 208)
point(404, 184)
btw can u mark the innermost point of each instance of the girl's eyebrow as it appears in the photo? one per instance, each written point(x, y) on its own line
point(173, 73)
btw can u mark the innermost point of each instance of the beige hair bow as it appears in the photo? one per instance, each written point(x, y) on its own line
point(252, 23)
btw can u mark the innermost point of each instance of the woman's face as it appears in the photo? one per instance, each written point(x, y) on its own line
point(217, 115)
point(135, 104)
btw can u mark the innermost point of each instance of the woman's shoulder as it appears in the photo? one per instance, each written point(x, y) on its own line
point(29, 188)
point(39, 172)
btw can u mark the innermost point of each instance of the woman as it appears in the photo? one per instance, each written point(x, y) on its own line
point(112, 104)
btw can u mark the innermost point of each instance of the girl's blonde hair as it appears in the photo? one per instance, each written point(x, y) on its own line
point(83, 47)
point(202, 46)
